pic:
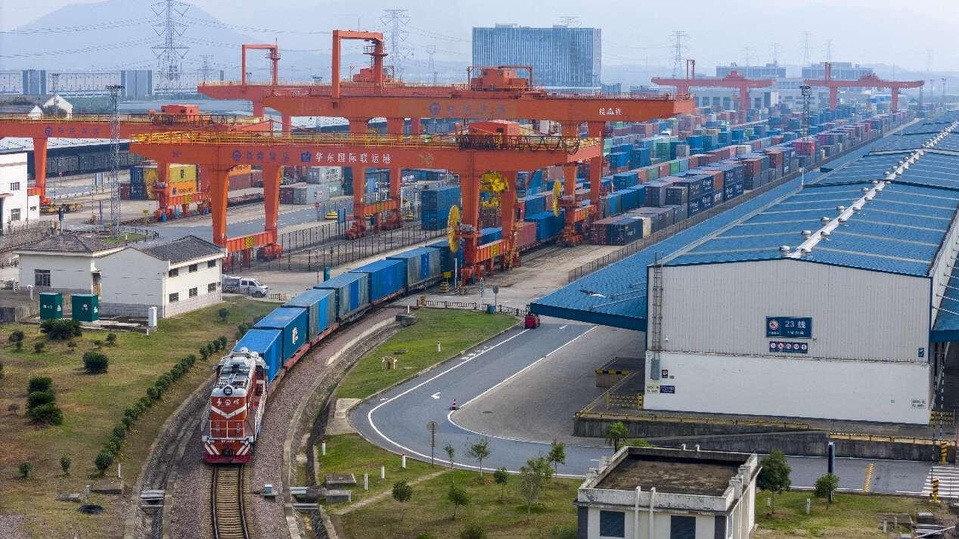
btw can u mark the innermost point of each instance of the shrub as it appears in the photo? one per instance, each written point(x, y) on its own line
point(39, 383)
point(222, 341)
point(45, 414)
point(16, 336)
point(224, 314)
point(563, 533)
point(425, 535)
point(61, 330)
point(65, 465)
point(473, 531)
point(103, 461)
point(39, 398)
point(38, 347)
point(72, 345)
point(25, 469)
point(111, 339)
point(18, 345)
point(204, 353)
point(1, 371)
point(119, 431)
point(127, 422)
point(98, 343)
point(154, 393)
point(95, 362)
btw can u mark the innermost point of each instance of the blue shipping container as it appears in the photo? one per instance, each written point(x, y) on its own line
point(268, 343)
point(321, 308)
point(386, 277)
point(352, 293)
point(422, 265)
point(293, 322)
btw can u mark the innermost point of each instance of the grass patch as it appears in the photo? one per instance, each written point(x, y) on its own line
point(429, 510)
point(851, 516)
point(92, 405)
point(454, 330)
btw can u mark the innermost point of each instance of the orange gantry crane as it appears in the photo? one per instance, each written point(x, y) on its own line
point(866, 81)
point(732, 80)
point(496, 93)
point(94, 126)
point(469, 155)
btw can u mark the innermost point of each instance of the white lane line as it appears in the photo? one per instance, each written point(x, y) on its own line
point(564, 326)
point(436, 395)
point(528, 367)
point(369, 415)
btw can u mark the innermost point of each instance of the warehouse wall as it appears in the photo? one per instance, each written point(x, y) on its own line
point(942, 267)
point(891, 392)
point(856, 314)
point(131, 293)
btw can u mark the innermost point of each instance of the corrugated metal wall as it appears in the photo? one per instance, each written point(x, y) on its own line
point(857, 314)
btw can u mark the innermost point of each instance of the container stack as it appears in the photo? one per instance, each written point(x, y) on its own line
point(435, 206)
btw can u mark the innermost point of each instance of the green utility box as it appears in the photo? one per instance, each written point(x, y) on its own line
point(86, 307)
point(51, 305)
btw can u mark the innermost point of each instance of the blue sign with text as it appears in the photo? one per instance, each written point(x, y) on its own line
point(789, 327)
point(667, 389)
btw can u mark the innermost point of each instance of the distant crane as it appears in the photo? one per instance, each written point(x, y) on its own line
point(866, 81)
point(732, 80)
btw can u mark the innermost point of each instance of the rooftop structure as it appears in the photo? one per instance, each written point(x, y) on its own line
point(670, 493)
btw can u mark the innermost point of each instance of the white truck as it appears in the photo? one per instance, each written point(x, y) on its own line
point(245, 285)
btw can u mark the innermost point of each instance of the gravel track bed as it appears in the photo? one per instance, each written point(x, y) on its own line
point(309, 377)
point(11, 527)
point(176, 465)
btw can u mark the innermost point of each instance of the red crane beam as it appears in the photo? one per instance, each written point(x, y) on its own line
point(468, 155)
point(866, 81)
point(732, 80)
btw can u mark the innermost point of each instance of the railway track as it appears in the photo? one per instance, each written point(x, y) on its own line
point(226, 503)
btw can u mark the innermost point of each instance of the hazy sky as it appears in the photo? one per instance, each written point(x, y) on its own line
point(862, 31)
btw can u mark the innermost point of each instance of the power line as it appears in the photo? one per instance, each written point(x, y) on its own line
point(396, 21)
point(79, 28)
point(206, 68)
point(255, 29)
point(170, 29)
point(64, 52)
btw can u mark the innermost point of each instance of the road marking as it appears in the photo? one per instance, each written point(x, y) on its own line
point(563, 326)
point(948, 481)
point(436, 395)
point(369, 415)
point(867, 482)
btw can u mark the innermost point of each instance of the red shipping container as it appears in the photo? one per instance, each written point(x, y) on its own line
point(663, 170)
point(525, 235)
point(643, 175)
point(718, 178)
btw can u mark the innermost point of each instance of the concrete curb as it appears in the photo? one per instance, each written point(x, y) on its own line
point(288, 464)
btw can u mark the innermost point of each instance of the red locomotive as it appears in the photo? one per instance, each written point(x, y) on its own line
point(237, 403)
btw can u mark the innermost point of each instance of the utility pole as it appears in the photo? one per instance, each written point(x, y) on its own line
point(431, 50)
point(395, 21)
point(775, 54)
point(747, 52)
point(805, 50)
point(115, 159)
point(677, 37)
point(206, 68)
point(806, 98)
point(829, 50)
point(169, 28)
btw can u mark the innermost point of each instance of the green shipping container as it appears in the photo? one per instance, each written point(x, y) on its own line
point(86, 307)
point(51, 305)
point(674, 167)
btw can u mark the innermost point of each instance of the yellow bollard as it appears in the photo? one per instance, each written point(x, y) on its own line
point(935, 490)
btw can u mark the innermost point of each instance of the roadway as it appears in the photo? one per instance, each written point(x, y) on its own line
point(506, 392)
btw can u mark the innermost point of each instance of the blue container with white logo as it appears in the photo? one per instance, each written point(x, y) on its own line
point(268, 343)
point(292, 323)
point(320, 306)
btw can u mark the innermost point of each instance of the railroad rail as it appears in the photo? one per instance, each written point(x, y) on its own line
point(226, 503)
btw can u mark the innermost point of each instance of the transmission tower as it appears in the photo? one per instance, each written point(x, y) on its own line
point(776, 48)
point(395, 21)
point(115, 158)
point(747, 55)
point(805, 49)
point(206, 67)
point(678, 48)
point(806, 98)
point(169, 28)
point(431, 50)
point(55, 82)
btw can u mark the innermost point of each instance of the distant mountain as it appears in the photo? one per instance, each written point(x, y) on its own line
point(120, 34)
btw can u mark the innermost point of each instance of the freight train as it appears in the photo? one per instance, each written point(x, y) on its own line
point(245, 377)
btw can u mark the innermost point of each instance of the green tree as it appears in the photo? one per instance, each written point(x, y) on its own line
point(45, 414)
point(38, 347)
point(616, 434)
point(557, 455)
point(532, 481)
point(103, 461)
point(16, 336)
point(473, 531)
point(65, 465)
point(501, 476)
point(479, 451)
point(402, 492)
point(826, 486)
point(25, 469)
point(224, 313)
point(457, 496)
point(60, 329)
point(111, 339)
point(39, 383)
point(95, 362)
point(774, 476)
point(450, 456)
point(39, 398)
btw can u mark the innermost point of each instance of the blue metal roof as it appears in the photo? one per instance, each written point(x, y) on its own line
point(946, 328)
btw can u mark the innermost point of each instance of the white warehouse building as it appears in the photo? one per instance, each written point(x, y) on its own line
point(833, 302)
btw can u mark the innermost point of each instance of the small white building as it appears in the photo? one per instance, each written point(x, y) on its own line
point(655, 493)
point(176, 277)
point(64, 263)
point(17, 207)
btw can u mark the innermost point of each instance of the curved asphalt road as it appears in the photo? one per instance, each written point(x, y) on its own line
point(397, 419)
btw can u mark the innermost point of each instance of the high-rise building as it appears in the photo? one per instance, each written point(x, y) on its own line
point(562, 57)
point(768, 71)
point(137, 83)
point(840, 71)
